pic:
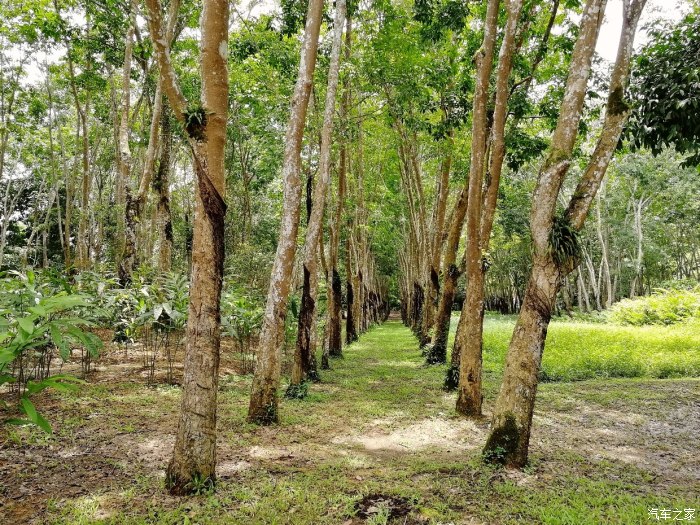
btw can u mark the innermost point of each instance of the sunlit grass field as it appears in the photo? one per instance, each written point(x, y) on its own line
point(576, 351)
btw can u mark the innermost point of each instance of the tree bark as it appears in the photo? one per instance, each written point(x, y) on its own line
point(437, 352)
point(193, 463)
point(161, 186)
point(469, 337)
point(263, 398)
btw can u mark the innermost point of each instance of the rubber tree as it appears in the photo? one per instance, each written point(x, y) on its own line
point(554, 238)
point(482, 206)
point(304, 352)
point(263, 397)
point(194, 457)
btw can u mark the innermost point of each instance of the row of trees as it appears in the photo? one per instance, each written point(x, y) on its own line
point(404, 126)
point(559, 256)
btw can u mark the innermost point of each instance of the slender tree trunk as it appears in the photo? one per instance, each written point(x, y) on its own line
point(194, 457)
point(303, 357)
point(263, 397)
point(437, 352)
point(438, 228)
point(350, 323)
point(508, 441)
point(469, 337)
point(126, 263)
point(335, 298)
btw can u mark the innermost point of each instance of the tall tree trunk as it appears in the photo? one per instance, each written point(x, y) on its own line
point(126, 263)
point(469, 337)
point(334, 346)
point(508, 441)
point(437, 352)
point(437, 232)
point(303, 356)
point(263, 397)
point(351, 297)
point(194, 457)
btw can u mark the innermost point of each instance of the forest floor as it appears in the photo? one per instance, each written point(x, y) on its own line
point(377, 442)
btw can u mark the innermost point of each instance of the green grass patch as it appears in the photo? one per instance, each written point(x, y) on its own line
point(576, 351)
point(381, 386)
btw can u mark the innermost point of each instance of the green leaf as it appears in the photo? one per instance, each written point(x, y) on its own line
point(38, 310)
point(6, 378)
point(17, 421)
point(34, 416)
point(26, 324)
point(60, 342)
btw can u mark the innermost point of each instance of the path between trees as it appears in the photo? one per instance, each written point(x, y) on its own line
point(378, 433)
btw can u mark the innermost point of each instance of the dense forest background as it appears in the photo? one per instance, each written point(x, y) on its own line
point(64, 193)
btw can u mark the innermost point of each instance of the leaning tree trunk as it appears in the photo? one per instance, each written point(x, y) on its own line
point(194, 457)
point(263, 397)
point(437, 352)
point(508, 441)
point(303, 356)
point(438, 228)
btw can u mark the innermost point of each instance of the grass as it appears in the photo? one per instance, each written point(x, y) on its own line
point(578, 351)
point(316, 466)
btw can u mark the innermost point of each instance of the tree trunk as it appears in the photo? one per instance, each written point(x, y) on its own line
point(437, 352)
point(161, 186)
point(303, 356)
point(263, 398)
point(350, 322)
point(193, 463)
point(125, 266)
point(469, 337)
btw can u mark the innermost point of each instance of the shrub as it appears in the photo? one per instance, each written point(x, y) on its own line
point(666, 306)
point(28, 340)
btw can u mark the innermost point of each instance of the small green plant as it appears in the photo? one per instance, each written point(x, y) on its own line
point(196, 122)
point(201, 485)
point(564, 241)
point(451, 379)
point(494, 455)
point(299, 391)
point(241, 320)
point(27, 343)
